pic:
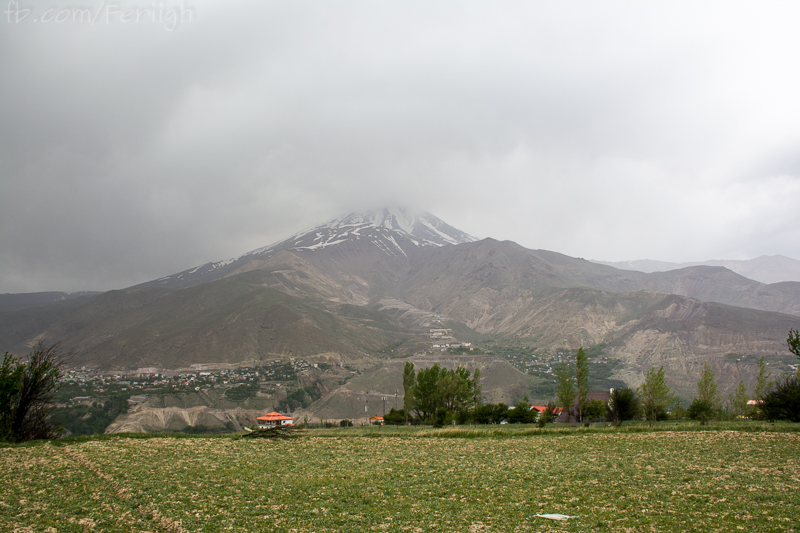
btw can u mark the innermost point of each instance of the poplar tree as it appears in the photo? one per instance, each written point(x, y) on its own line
point(708, 401)
point(408, 387)
point(762, 383)
point(565, 394)
point(737, 400)
point(477, 390)
point(582, 380)
point(707, 390)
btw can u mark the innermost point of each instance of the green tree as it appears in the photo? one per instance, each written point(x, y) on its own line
point(566, 393)
point(409, 380)
point(455, 390)
point(489, 413)
point(10, 386)
point(26, 394)
point(701, 410)
point(623, 405)
point(521, 412)
point(794, 345)
point(707, 390)
point(678, 411)
point(762, 383)
point(425, 391)
point(582, 380)
point(783, 401)
point(438, 388)
point(395, 417)
point(737, 400)
point(596, 409)
point(655, 395)
point(708, 402)
point(477, 389)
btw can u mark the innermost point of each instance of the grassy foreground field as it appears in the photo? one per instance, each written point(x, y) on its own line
point(434, 480)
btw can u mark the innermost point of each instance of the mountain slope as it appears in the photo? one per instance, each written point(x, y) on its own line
point(453, 273)
point(229, 320)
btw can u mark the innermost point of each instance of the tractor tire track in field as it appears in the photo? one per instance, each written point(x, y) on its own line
point(150, 510)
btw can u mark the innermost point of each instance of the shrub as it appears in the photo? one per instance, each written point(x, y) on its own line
point(623, 405)
point(596, 409)
point(782, 402)
point(702, 410)
point(395, 417)
point(26, 393)
point(489, 413)
point(440, 417)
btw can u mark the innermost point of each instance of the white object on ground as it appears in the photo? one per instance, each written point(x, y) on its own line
point(555, 516)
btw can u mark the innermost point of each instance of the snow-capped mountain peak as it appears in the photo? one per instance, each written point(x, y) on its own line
point(390, 229)
point(396, 232)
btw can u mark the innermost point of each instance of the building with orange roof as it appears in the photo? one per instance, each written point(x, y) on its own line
point(273, 419)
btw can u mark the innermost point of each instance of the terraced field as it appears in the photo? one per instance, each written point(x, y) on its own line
point(430, 480)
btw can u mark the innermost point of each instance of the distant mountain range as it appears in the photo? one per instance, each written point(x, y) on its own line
point(766, 269)
point(365, 288)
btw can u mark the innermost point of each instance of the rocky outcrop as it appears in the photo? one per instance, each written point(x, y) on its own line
point(146, 419)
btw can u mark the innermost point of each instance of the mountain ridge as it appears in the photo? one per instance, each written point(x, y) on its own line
point(766, 269)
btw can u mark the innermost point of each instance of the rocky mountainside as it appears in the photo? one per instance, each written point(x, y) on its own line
point(366, 287)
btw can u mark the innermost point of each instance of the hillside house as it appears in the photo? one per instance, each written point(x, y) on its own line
point(376, 421)
point(273, 419)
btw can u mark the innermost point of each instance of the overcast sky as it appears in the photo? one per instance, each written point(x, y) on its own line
point(133, 149)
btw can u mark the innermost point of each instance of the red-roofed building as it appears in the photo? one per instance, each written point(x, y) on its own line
point(541, 408)
point(273, 419)
point(376, 421)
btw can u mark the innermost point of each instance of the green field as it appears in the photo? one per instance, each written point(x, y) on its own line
point(410, 480)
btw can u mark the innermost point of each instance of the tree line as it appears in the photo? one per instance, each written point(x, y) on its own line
point(773, 399)
point(437, 396)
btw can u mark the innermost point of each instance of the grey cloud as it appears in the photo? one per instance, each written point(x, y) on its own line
point(608, 131)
